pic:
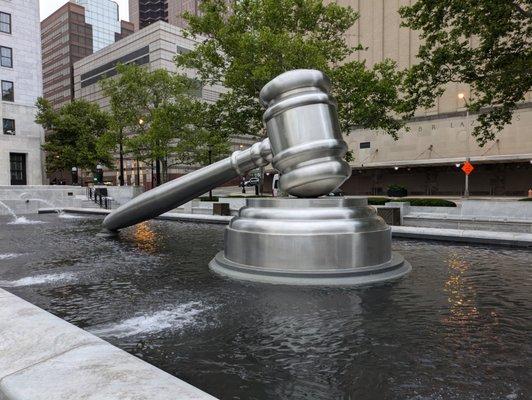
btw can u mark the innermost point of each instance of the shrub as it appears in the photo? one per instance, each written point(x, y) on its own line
point(378, 201)
point(526, 199)
point(397, 191)
point(243, 196)
point(214, 198)
point(429, 202)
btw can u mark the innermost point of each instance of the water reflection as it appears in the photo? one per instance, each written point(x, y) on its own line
point(461, 293)
point(145, 238)
point(458, 327)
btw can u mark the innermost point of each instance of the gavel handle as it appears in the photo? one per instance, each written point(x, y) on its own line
point(172, 194)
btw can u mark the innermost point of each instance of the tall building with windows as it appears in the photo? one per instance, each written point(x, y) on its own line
point(153, 47)
point(145, 12)
point(71, 33)
point(21, 85)
point(103, 16)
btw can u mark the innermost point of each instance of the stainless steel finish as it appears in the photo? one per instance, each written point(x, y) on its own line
point(310, 241)
point(306, 145)
point(326, 241)
point(302, 124)
point(174, 193)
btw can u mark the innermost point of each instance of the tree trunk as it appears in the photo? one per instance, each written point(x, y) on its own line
point(158, 171)
point(121, 151)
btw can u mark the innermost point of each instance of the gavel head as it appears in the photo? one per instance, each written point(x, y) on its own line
point(302, 124)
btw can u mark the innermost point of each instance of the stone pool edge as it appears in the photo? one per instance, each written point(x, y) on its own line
point(515, 239)
point(44, 357)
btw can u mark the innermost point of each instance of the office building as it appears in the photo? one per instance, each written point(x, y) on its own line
point(145, 12)
point(74, 31)
point(155, 48)
point(427, 159)
point(21, 84)
point(103, 16)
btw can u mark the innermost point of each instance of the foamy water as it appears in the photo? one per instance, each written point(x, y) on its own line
point(38, 280)
point(69, 216)
point(9, 256)
point(171, 319)
point(24, 221)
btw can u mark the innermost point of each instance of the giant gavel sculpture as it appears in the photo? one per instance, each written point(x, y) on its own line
point(303, 240)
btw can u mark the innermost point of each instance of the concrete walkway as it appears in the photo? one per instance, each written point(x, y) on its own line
point(43, 357)
point(414, 232)
point(516, 239)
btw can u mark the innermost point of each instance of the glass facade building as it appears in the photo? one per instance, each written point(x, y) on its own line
point(105, 21)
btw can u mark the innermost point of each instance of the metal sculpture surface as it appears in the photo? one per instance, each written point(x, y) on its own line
point(309, 240)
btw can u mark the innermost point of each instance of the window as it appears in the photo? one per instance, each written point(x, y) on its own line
point(6, 57)
point(5, 22)
point(8, 91)
point(365, 145)
point(18, 168)
point(9, 126)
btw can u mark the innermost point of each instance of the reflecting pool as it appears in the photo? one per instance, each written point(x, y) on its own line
point(457, 327)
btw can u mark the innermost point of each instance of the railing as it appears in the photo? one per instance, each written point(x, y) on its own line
point(97, 196)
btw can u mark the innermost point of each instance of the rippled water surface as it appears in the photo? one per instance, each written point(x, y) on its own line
point(458, 327)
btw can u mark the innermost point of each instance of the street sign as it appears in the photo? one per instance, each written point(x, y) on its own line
point(467, 168)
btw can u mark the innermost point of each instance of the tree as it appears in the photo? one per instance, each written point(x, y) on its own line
point(247, 43)
point(155, 115)
point(120, 92)
point(483, 43)
point(75, 135)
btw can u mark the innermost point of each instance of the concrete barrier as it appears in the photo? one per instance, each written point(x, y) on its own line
point(43, 357)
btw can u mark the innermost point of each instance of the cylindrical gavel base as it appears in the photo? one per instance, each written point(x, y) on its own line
point(324, 241)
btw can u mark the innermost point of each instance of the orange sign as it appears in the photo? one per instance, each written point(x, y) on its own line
point(467, 168)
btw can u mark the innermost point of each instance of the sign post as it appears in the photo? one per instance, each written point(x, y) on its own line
point(467, 168)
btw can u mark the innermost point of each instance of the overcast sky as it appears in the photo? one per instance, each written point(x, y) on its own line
point(49, 6)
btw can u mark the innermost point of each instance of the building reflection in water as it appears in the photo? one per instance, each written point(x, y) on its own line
point(145, 238)
point(470, 331)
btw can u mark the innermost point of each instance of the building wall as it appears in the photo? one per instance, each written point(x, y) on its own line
point(154, 47)
point(103, 16)
point(145, 12)
point(66, 38)
point(438, 136)
point(26, 75)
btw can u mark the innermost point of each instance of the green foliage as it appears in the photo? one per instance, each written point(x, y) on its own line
point(397, 191)
point(249, 42)
point(483, 43)
point(378, 201)
point(214, 199)
point(417, 202)
point(429, 202)
point(526, 199)
point(156, 116)
point(76, 135)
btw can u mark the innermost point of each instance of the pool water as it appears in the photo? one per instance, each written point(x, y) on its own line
point(458, 327)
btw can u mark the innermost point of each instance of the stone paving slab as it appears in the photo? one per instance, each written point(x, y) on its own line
point(43, 357)
point(469, 236)
point(97, 372)
point(29, 335)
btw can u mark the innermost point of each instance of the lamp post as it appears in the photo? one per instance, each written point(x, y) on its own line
point(137, 174)
point(209, 147)
point(461, 96)
point(74, 172)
